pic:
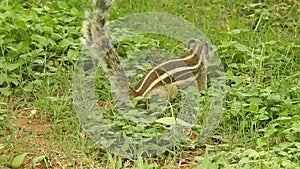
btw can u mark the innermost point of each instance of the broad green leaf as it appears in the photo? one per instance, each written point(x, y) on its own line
point(172, 120)
point(262, 117)
point(68, 19)
point(40, 159)
point(11, 67)
point(47, 29)
point(62, 5)
point(241, 47)
point(28, 87)
point(226, 44)
point(21, 24)
point(40, 40)
point(255, 100)
point(39, 61)
point(51, 42)
point(37, 10)
point(75, 12)
point(296, 127)
point(18, 160)
point(72, 30)
point(274, 97)
point(291, 137)
point(3, 77)
point(274, 109)
point(166, 120)
point(72, 54)
point(183, 123)
point(253, 107)
point(56, 36)
point(287, 119)
point(13, 78)
point(66, 43)
point(5, 91)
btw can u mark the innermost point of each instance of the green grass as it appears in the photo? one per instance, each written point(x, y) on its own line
point(258, 44)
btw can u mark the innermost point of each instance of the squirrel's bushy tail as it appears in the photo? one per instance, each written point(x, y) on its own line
point(97, 19)
point(95, 38)
point(96, 41)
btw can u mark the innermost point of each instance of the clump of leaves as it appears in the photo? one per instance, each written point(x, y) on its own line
point(36, 40)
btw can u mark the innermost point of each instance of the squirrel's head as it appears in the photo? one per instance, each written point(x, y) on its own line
point(201, 49)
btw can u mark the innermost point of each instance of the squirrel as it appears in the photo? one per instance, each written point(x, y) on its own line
point(177, 73)
point(164, 79)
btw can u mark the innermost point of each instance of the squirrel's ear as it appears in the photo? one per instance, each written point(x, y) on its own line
point(191, 43)
point(207, 51)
